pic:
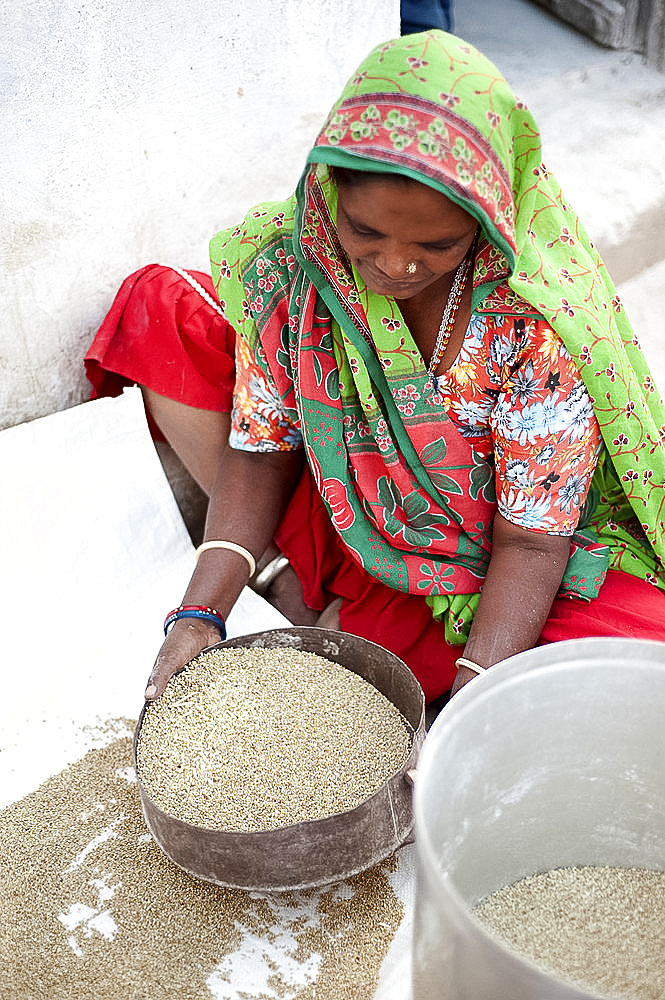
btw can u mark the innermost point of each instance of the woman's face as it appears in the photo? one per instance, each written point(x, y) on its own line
point(387, 225)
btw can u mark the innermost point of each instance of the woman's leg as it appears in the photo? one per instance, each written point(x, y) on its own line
point(160, 333)
point(198, 437)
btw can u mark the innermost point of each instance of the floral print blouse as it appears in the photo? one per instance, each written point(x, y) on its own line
point(533, 413)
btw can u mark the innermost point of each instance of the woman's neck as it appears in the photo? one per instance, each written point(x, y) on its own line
point(423, 312)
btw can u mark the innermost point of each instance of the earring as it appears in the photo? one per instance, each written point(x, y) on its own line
point(411, 268)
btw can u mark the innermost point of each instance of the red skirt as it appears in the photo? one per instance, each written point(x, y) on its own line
point(162, 333)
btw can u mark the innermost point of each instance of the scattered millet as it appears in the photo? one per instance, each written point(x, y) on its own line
point(92, 908)
point(252, 739)
point(599, 928)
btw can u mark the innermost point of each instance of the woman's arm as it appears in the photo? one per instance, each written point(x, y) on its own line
point(247, 500)
point(524, 575)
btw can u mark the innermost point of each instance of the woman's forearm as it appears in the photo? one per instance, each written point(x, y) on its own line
point(523, 578)
point(248, 498)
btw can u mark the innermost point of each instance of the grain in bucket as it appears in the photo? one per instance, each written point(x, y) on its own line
point(549, 763)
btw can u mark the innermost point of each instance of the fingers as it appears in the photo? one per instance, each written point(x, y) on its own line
point(165, 667)
point(185, 640)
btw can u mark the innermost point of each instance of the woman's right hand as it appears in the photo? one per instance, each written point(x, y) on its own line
point(186, 639)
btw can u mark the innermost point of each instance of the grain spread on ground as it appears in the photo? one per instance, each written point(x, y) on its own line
point(253, 739)
point(599, 928)
point(92, 908)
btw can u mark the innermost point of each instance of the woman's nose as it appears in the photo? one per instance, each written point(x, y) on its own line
point(393, 261)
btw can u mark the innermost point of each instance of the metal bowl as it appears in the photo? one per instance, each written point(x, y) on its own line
point(320, 851)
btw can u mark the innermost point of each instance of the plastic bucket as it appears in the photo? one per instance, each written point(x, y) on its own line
point(554, 758)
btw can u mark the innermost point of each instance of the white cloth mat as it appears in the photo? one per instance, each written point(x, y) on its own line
point(94, 554)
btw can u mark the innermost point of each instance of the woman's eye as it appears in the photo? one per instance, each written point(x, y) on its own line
point(439, 247)
point(359, 231)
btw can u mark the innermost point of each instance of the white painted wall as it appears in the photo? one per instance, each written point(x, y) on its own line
point(130, 132)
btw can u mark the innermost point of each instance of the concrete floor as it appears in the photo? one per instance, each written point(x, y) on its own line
point(521, 38)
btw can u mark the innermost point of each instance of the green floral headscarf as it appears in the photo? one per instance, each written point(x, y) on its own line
point(431, 107)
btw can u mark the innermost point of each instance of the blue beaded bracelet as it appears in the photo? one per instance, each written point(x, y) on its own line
point(195, 611)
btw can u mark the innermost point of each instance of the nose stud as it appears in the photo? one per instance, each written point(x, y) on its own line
point(411, 268)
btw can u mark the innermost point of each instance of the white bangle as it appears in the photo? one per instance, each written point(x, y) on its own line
point(233, 547)
point(462, 661)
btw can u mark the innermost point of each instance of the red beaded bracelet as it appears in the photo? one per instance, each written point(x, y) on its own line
point(195, 611)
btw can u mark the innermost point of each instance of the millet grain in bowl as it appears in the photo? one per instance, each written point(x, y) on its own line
point(599, 928)
point(252, 739)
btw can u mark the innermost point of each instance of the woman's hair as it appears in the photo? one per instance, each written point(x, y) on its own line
point(348, 177)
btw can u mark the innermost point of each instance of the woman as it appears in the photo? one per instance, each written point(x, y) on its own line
point(428, 324)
